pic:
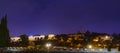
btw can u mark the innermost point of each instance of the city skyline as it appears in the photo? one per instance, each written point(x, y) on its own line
point(59, 16)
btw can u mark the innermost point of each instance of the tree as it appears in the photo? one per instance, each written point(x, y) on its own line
point(87, 33)
point(24, 40)
point(4, 33)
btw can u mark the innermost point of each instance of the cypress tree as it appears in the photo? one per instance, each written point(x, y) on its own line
point(4, 33)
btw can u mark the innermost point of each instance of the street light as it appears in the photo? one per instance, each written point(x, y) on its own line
point(90, 46)
point(48, 45)
point(106, 37)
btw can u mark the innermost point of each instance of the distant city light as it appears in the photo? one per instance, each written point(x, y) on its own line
point(92, 49)
point(106, 37)
point(90, 46)
point(48, 45)
point(100, 49)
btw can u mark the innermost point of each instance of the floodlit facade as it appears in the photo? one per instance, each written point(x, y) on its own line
point(33, 38)
point(15, 39)
point(51, 36)
point(30, 38)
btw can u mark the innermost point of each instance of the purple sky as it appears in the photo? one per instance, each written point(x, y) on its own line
point(61, 16)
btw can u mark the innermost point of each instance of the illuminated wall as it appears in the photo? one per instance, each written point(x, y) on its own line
point(15, 39)
point(33, 38)
point(51, 36)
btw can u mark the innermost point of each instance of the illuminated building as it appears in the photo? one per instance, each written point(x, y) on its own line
point(15, 39)
point(51, 37)
point(31, 38)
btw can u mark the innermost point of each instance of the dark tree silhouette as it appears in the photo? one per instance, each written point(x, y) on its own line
point(24, 40)
point(4, 33)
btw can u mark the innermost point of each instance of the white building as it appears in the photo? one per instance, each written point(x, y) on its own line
point(15, 39)
point(33, 38)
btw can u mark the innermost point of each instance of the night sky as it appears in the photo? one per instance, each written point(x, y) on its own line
point(61, 16)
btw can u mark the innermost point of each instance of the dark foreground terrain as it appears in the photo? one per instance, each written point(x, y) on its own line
point(47, 52)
